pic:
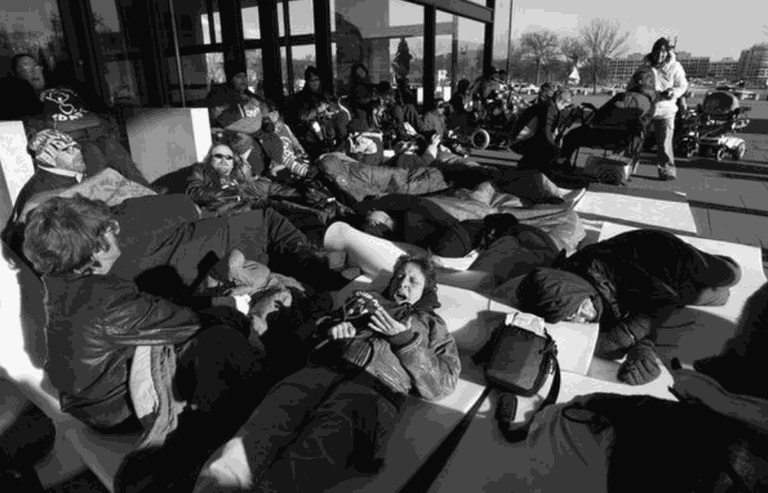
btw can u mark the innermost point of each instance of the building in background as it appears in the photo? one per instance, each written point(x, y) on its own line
point(753, 65)
point(727, 68)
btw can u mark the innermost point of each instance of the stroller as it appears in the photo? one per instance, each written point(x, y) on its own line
point(717, 118)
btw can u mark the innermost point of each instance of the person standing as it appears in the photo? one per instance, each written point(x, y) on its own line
point(671, 84)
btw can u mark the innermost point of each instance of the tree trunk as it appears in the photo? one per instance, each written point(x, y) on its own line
point(538, 64)
point(594, 80)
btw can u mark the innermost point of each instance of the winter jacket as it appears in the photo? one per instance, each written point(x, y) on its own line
point(670, 75)
point(213, 193)
point(94, 324)
point(422, 361)
point(637, 274)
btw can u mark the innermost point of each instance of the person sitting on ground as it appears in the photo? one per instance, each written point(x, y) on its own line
point(294, 161)
point(96, 320)
point(434, 118)
point(630, 284)
point(460, 101)
point(222, 183)
point(341, 409)
point(540, 149)
point(363, 98)
point(628, 113)
point(25, 82)
point(320, 123)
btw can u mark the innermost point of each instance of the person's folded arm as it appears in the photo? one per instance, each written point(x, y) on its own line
point(430, 357)
point(679, 84)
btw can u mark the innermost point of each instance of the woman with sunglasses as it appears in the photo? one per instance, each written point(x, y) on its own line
point(223, 183)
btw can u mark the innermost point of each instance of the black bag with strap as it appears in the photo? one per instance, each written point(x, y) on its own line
point(518, 360)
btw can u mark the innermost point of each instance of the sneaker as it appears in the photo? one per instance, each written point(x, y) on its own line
point(667, 174)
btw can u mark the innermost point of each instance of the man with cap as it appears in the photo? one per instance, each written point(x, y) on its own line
point(671, 84)
point(630, 289)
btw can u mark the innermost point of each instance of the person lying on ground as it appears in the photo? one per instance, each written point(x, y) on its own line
point(338, 413)
point(223, 184)
point(626, 115)
point(630, 284)
point(96, 320)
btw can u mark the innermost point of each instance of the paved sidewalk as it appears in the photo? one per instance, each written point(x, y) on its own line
point(728, 199)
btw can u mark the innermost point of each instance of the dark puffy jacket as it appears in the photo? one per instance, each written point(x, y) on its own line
point(205, 188)
point(636, 274)
point(94, 325)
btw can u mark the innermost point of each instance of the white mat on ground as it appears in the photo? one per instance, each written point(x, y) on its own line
point(657, 213)
point(696, 332)
point(470, 318)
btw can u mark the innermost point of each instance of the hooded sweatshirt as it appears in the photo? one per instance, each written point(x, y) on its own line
point(669, 75)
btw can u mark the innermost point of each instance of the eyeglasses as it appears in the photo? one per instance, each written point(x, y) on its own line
point(228, 157)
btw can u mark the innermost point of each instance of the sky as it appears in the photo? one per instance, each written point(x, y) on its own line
point(715, 31)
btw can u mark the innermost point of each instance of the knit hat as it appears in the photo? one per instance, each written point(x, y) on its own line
point(64, 108)
point(310, 72)
point(553, 294)
point(47, 144)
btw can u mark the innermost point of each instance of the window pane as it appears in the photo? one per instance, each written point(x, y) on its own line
point(119, 60)
point(255, 71)
point(195, 24)
point(34, 26)
point(501, 34)
point(303, 57)
point(302, 17)
point(459, 51)
point(386, 36)
point(250, 13)
point(200, 72)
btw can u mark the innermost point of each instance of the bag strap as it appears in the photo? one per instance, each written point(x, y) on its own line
point(521, 434)
point(426, 475)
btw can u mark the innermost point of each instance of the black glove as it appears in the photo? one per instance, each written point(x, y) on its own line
point(640, 367)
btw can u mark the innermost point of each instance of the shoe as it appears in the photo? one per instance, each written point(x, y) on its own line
point(667, 174)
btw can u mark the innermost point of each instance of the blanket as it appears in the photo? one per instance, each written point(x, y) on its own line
point(559, 221)
point(108, 185)
point(354, 181)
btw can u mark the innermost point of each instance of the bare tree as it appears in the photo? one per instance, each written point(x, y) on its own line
point(603, 41)
point(573, 50)
point(541, 47)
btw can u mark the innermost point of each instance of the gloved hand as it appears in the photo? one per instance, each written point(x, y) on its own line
point(641, 365)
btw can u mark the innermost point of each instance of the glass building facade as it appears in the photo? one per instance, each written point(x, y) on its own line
point(170, 52)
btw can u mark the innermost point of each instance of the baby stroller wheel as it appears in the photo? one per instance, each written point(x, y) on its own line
point(720, 153)
point(480, 139)
point(740, 151)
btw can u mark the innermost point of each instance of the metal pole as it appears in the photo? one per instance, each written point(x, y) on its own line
point(509, 38)
point(288, 48)
point(178, 55)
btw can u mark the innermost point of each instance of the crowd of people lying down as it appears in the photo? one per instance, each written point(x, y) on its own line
point(217, 278)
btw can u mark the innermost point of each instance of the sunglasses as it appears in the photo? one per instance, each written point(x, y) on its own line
point(228, 157)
